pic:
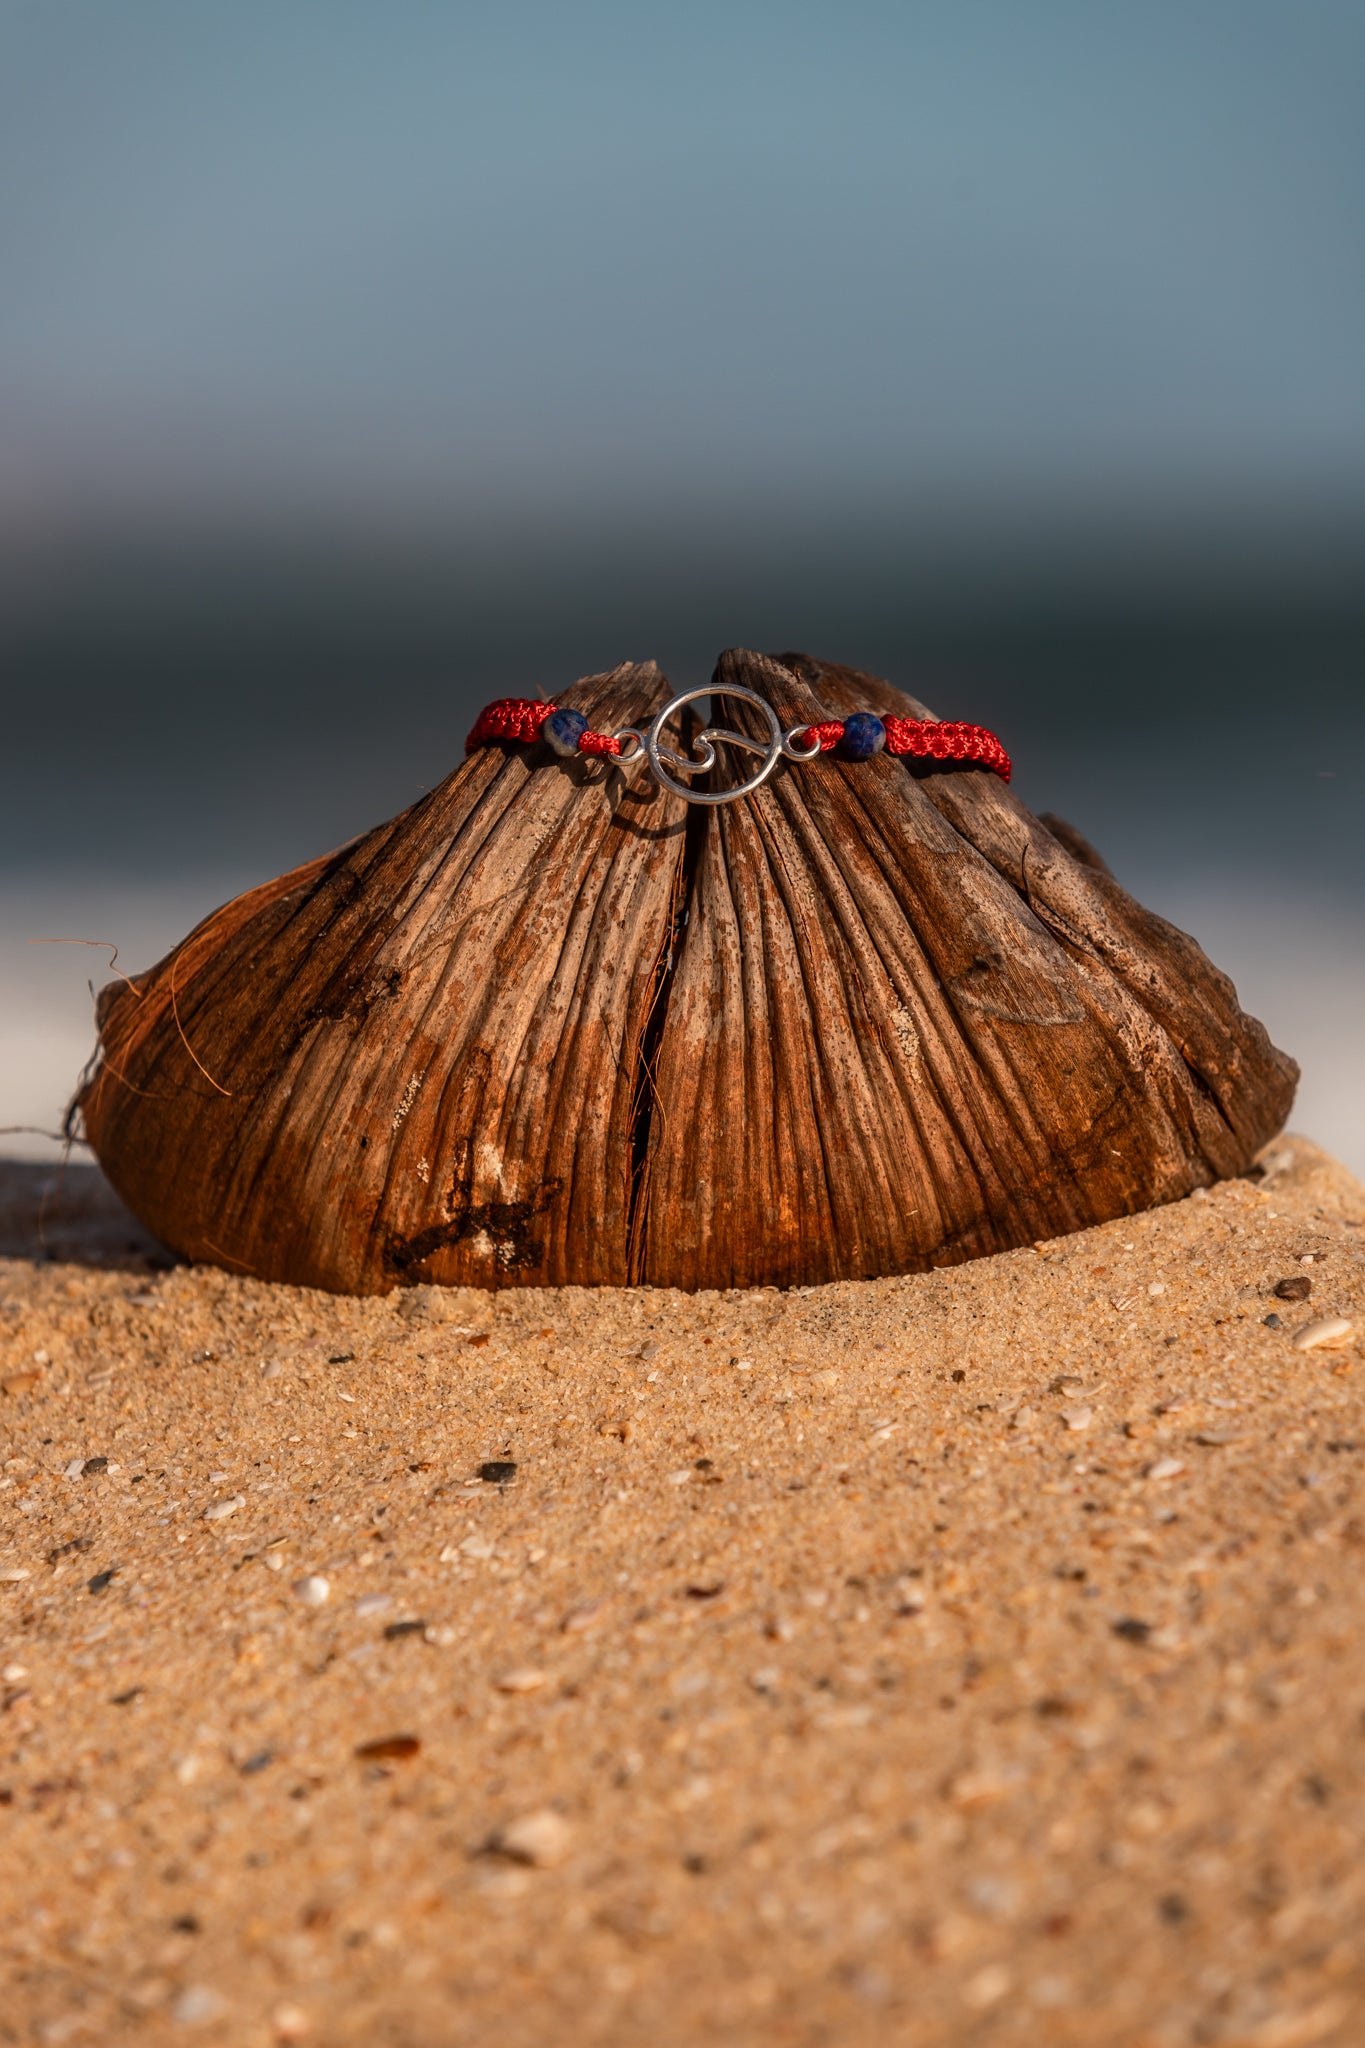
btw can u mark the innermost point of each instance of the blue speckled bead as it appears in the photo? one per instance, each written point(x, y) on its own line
point(864, 736)
point(562, 729)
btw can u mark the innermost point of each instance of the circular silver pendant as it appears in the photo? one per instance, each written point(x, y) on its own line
point(663, 758)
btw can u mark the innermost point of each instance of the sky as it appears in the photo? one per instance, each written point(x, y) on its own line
point(506, 275)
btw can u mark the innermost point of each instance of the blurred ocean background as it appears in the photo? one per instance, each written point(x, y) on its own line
point(361, 363)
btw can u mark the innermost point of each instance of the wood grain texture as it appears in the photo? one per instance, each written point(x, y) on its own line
point(907, 1027)
point(1242, 1085)
point(552, 1026)
point(418, 1060)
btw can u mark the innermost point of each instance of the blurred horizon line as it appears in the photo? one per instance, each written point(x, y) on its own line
point(257, 582)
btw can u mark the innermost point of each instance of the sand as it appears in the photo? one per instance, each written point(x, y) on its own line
point(974, 1657)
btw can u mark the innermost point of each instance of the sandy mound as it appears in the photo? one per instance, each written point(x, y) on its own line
point(967, 1658)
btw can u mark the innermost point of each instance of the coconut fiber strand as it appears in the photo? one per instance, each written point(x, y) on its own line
point(553, 1025)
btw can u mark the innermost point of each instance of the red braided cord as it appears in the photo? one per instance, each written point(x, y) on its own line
point(521, 718)
point(598, 743)
point(511, 718)
point(934, 739)
point(947, 740)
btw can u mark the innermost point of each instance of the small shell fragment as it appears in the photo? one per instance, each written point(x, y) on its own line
point(1078, 1418)
point(542, 1839)
point(314, 1591)
point(1165, 1468)
point(219, 1510)
point(581, 1618)
point(1327, 1335)
point(524, 1679)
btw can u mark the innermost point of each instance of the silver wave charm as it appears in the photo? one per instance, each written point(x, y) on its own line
point(655, 750)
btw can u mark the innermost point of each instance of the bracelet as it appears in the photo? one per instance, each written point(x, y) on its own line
point(856, 738)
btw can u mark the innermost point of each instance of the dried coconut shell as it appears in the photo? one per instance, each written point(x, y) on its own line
point(551, 1025)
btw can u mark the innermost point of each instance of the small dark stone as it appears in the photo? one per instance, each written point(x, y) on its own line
point(396, 1629)
point(1297, 1287)
point(94, 1465)
point(498, 1471)
point(123, 1699)
point(705, 1592)
point(1343, 1443)
point(384, 1748)
point(959, 1376)
point(101, 1580)
point(694, 1865)
point(1132, 1630)
point(259, 1762)
point(342, 1358)
point(184, 1923)
point(702, 1465)
point(1272, 1322)
point(1173, 1909)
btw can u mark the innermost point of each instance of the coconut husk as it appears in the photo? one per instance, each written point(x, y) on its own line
point(552, 1025)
